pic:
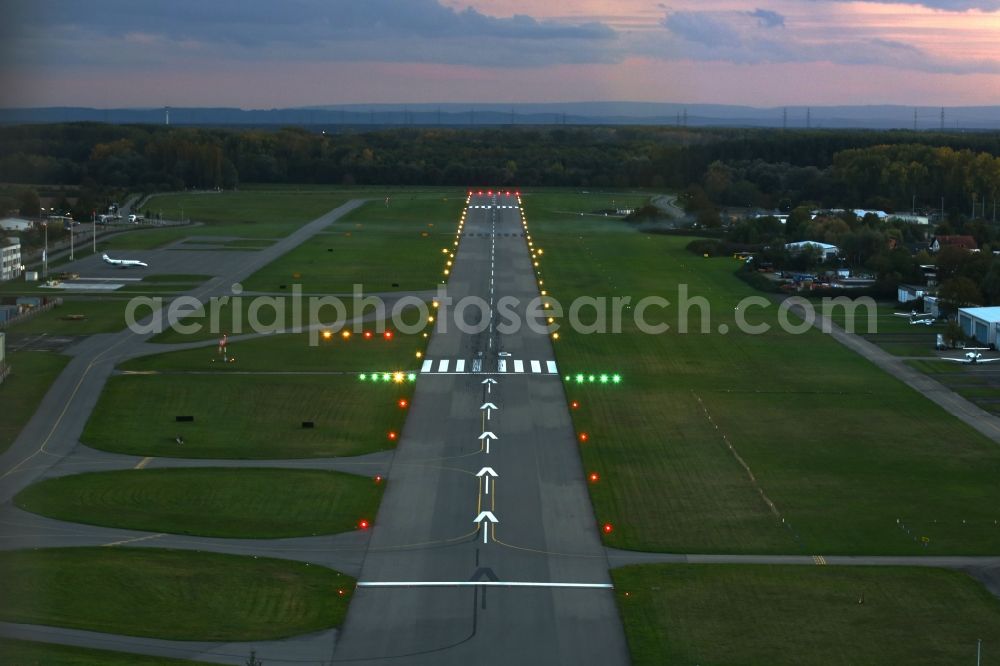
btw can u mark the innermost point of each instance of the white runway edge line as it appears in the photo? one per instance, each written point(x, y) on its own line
point(490, 583)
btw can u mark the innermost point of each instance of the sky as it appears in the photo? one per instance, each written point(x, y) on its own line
point(290, 53)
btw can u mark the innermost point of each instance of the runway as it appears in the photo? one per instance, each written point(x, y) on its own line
point(532, 587)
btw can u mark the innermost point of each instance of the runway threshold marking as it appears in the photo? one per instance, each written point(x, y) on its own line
point(819, 560)
point(142, 463)
point(492, 583)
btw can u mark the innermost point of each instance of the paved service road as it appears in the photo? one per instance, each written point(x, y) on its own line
point(533, 588)
point(55, 428)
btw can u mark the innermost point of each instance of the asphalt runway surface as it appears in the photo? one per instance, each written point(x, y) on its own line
point(532, 588)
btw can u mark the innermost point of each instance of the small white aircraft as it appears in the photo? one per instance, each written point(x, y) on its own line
point(925, 318)
point(124, 263)
point(972, 357)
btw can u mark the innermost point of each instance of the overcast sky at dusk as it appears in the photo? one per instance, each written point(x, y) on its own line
point(257, 54)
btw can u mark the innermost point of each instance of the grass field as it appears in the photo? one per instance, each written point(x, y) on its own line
point(382, 248)
point(852, 460)
point(264, 314)
point(293, 353)
point(245, 416)
point(749, 614)
point(29, 653)
point(32, 373)
point(218, 502)
point(245, 213)
point(100, 315)
point(180, 595)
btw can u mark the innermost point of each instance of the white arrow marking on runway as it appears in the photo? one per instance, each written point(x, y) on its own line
point(487, 472)
point(487, 436)
point(489, 381)
point(487, 515)
point(489, 407)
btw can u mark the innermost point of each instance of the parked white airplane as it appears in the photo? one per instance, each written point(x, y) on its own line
point(972, 357)
point(925, 318)
point(124, 263)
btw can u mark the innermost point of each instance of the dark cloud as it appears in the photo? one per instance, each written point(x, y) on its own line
point(289, 20)
point(767, 18)
point(130, 31)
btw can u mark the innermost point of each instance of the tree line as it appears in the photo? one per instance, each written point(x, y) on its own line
point(756, 167)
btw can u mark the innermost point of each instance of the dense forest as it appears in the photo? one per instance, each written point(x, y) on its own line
point(752, 167)
point(793, 171)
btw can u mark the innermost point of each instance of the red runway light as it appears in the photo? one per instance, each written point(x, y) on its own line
point(403, 404)
point(594, 477)
point(378, 478)
point(363, 524)
point(387, 335)
point(392, 435)
point(584, 437)
point(607, 528)
point(574, 405)
point(340, 592)
point(368, 335)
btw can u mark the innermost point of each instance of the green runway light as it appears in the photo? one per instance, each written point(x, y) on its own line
point(362, 376)
point(616, 379)
point(579, 379)
point(591, 379)
point(604, 379)
point(386, 376)
point(412, 377)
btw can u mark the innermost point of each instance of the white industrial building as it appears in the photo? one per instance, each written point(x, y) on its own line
point(980, 323)
point(15, 224)
point(10, 261)
point(825, 250)
point(910, 292)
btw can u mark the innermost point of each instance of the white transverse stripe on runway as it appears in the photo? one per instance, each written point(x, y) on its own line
point(536, 366)
point(460, 365)
point(443, 365)
point(428, 364)
point(471, 583)
point(518, 366)
point(551, 366)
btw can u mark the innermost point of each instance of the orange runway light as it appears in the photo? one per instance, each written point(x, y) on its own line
point(387, 335)
point(403, 404)
point(392, 435)
point(368, 335)
point(378, 478)
point(583, 436)
point(345, 334)
point(594, 477)
point(575, 404)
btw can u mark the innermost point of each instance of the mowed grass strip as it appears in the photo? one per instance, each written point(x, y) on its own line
point(32, 373)
point(295, 353)
point(750, 614)
point(381, 248)
point(30, 653)
point(853, 460)
point(76, 317)
point(216, 502)
point(245, 416)
point(179, 595)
